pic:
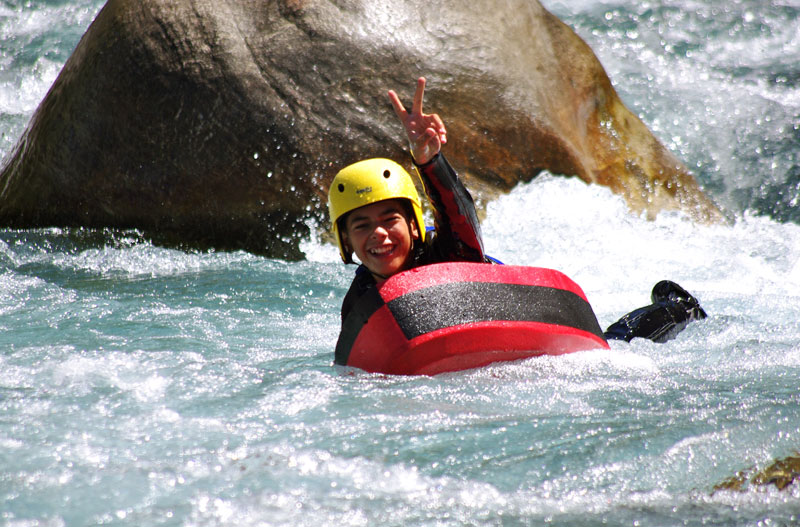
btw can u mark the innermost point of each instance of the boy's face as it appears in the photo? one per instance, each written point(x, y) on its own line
point(381, 234)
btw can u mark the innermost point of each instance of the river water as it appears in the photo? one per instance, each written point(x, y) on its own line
point(147, 386)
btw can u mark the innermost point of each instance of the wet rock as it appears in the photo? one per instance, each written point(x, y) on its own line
point(220, 123)
point(782, 473)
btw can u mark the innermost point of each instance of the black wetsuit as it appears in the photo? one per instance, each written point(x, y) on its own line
point(457, 234)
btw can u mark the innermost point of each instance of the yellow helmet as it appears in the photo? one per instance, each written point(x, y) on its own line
point(368, 182)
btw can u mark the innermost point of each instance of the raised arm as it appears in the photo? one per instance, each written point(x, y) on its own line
point(458, 233)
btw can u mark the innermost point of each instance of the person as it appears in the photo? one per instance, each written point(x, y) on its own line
point(376, 213)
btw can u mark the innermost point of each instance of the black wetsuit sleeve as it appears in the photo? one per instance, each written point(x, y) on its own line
point(458, 233)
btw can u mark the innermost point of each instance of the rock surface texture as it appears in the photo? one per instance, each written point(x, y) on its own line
point(220, 123)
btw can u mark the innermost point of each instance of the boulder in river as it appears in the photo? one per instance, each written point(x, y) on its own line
point(220, 123)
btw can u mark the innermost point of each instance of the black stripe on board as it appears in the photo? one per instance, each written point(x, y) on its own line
point(453, 304)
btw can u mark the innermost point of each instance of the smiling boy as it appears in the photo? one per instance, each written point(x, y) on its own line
point(376, 211)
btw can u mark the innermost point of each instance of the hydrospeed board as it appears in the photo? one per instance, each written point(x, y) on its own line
point(458, 315)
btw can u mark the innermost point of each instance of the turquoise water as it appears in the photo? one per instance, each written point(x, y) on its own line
point(147, 386)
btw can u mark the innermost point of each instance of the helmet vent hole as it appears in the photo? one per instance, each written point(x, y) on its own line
point(386, 174)
point(341, 187)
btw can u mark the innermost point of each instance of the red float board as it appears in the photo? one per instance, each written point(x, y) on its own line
point(455, 316)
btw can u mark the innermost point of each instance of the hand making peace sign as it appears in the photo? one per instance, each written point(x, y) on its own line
point(426, 132)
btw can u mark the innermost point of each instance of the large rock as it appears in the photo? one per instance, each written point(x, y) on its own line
point(220, 123)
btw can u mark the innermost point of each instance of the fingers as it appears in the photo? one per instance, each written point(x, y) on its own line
point(427, 146)
point(418, 95)
point(432, 140)
point(399, 109)
point(438, 126)
point(416, 106)
point(426, 133)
